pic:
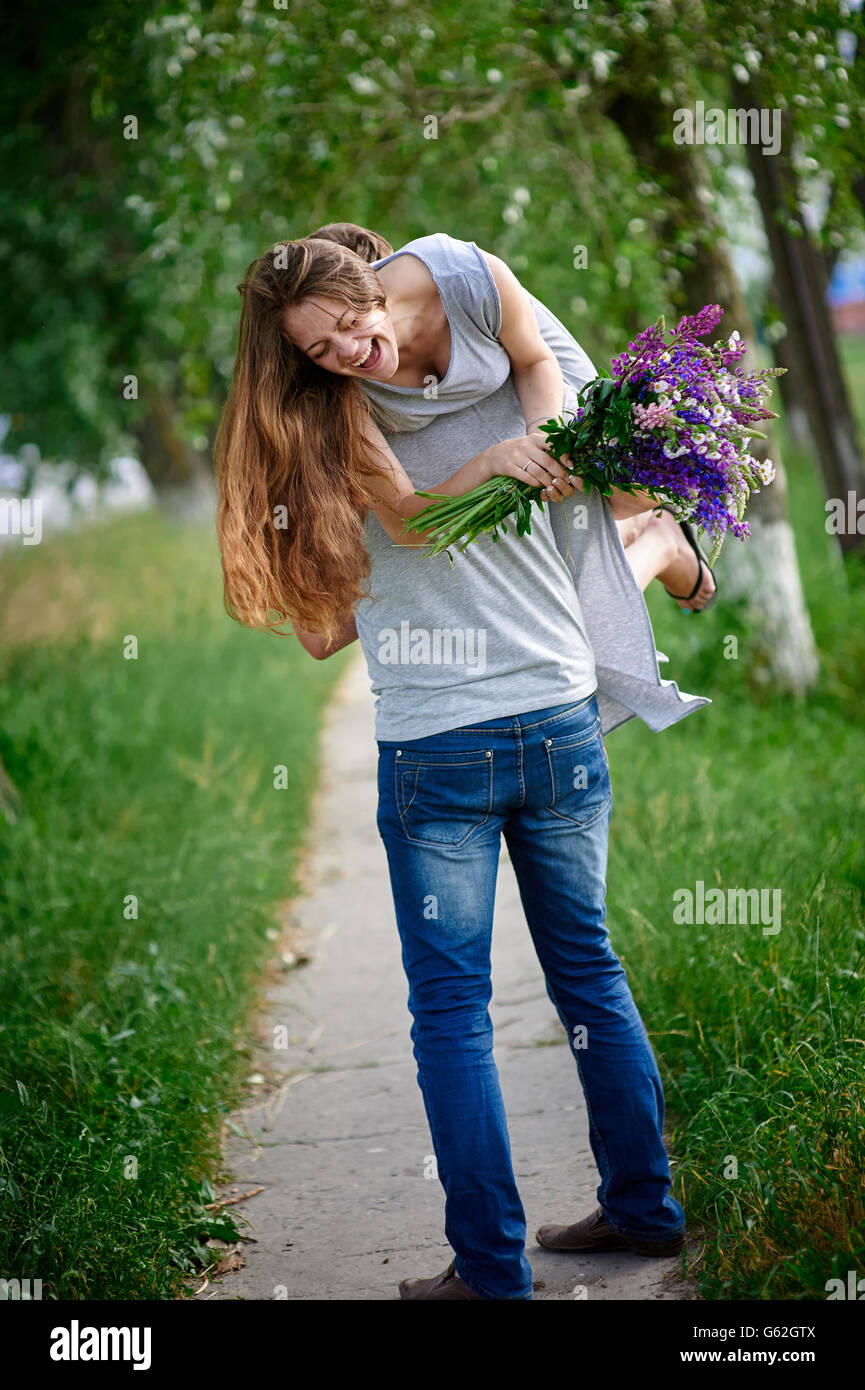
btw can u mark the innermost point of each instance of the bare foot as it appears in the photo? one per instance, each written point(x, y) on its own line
point(681, 571)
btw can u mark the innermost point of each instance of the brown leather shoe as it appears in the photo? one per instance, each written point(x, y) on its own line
point(594, 1233)
point(447, 1285)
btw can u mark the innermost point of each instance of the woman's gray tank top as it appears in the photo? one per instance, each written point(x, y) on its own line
point(528, 622)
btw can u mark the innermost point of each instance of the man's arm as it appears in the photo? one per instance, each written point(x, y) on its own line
point(624, 504)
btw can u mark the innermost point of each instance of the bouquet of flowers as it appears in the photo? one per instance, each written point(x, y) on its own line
point(674, 420)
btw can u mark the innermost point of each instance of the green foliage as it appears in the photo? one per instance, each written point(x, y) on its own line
point(123, 1039)
point(255, 123)
point(120, 256)
point(759, 1038)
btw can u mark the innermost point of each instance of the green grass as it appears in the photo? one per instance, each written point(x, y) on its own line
point(125, 1034)
point(127, 1038)
point(760, 1038)
point(851, 350)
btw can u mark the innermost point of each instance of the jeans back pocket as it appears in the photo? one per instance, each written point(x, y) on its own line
point(442, 798)
point(580, 789)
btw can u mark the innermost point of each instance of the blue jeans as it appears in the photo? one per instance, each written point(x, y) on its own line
point(542, 778)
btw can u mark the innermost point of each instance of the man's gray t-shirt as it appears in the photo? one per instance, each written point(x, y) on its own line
point(507, 629)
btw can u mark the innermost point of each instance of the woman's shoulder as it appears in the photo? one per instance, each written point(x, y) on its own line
point(461, 269)
point(439, 263)
point(439, 250)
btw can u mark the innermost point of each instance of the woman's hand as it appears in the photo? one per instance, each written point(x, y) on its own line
point(528, 458)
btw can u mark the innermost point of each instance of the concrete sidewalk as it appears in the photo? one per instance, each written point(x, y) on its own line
point(341, 1142)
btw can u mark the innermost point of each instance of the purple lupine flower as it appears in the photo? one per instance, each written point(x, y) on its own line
point(675, 420)
point(693, 412)
point(698, 325)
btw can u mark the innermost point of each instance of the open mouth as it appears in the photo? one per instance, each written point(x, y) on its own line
point(372, 359)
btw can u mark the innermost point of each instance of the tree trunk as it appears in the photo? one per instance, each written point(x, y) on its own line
point(184, 483)
point(800, 283)
point(765, 567)
point(791, 386)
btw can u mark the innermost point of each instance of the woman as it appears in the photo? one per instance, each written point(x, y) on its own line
point(665, 550)
point(495, 680)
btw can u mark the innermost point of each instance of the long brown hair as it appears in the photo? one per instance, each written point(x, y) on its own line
point(291, 453)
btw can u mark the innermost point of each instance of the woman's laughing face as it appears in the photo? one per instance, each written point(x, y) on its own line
point(343, 340)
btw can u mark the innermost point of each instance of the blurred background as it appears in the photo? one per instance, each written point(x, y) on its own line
point(149, 153)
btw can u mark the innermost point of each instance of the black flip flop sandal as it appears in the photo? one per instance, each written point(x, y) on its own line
point(688, 533)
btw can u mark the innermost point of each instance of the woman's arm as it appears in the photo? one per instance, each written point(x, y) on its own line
point(527, 459)
point(316, 645)
point(537, 375)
